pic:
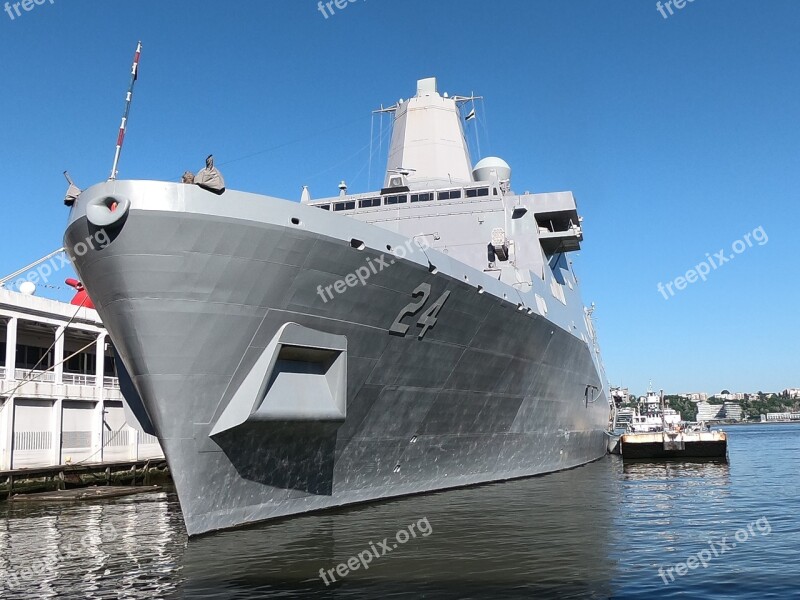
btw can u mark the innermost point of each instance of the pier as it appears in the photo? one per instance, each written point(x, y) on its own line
point(67, 482)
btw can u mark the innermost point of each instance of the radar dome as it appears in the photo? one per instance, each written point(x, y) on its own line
point(483, 170)
point(28, 288)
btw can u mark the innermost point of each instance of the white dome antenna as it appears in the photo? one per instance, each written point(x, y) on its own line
point(483, 170)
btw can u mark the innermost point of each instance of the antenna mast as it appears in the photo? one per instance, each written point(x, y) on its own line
point(128, 97)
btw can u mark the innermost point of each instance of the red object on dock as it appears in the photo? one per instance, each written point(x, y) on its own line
point(82, 296)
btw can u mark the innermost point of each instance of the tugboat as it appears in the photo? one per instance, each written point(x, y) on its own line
point(656, 417)
point(660, 433)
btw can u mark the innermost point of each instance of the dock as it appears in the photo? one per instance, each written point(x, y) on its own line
point(679, 445)
point(129, 475)
point(84, 494)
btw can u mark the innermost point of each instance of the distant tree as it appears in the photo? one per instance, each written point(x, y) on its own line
point(764, 403)
point(686, 407)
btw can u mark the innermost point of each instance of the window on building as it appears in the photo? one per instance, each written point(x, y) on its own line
point(110, 368)
point(83, 363)
point(29, 357)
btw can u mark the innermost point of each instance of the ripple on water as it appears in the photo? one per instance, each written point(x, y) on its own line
point(599, 531)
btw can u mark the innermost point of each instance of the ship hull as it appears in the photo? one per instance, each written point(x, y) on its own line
point(194, 289)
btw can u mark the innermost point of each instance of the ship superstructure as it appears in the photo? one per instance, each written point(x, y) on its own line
point(298, 356)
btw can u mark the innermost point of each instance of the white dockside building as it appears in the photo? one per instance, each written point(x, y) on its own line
point(60, 402)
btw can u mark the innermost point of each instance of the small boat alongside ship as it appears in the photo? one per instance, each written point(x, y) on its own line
point(656, 431)
point(682, 445)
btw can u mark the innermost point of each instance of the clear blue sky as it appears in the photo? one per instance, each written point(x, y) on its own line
point(677, 136)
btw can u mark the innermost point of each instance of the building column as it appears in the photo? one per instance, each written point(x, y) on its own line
point(133, 443)
point(58, 369)
point(6, 433)
point(99, 429)
point(58, 428)
point(11, 348)
point(100, 359)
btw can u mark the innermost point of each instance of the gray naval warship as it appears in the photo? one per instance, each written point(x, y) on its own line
point(295, 356)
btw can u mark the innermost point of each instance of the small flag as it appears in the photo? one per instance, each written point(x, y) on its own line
point(471, 115)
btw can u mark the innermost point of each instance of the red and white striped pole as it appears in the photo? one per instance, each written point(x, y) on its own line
point(124, 124)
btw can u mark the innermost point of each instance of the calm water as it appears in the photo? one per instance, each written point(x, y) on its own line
point(600, 531)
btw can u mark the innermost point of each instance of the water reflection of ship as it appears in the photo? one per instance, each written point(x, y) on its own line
point(542, 524)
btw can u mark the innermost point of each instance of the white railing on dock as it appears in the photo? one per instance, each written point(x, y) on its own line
point(67, 378)
point(79, 379)
point(43, 376)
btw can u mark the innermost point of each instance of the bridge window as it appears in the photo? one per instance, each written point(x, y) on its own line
point(422, 197)
point(402, 199)
point(323, 206)
point(450, 195)
point(344, 205)
point(477, 192)
point(369, 202)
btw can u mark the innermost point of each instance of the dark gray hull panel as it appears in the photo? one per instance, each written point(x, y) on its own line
point(192, 301)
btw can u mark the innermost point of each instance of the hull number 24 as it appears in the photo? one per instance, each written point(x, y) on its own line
point(427, 319)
